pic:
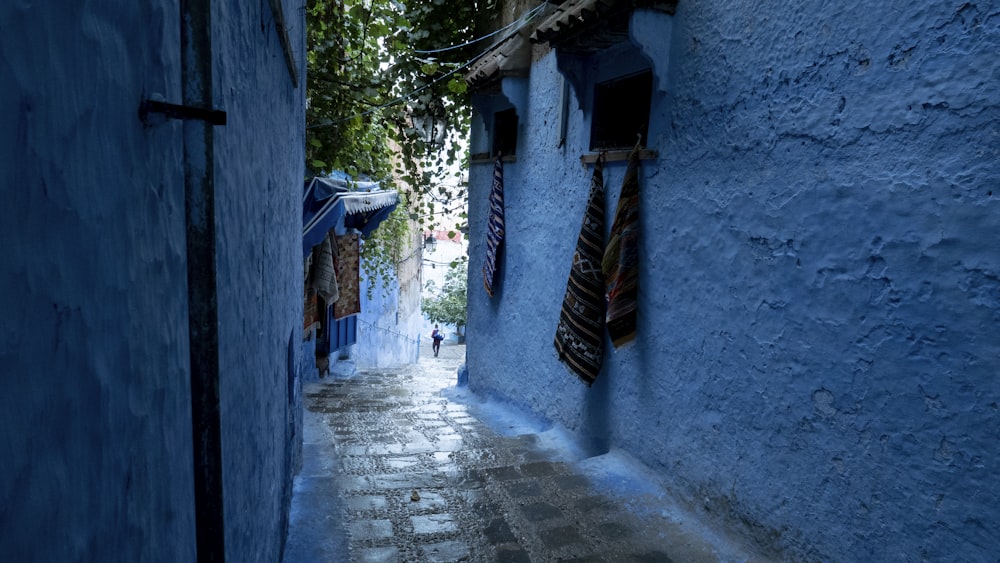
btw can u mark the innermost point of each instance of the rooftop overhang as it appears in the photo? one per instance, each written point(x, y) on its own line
point(587, 26)
point(511, 56)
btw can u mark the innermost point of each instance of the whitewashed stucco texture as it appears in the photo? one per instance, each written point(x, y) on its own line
point(817, 354)
point(96, 455)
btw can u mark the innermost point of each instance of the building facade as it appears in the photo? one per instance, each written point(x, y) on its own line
point(150, 352)
point(815, 356)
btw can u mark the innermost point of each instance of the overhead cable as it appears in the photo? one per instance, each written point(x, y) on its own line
point(522, 22)
point(527, 16)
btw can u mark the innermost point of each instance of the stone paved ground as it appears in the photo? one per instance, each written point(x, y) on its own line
point(393, 470)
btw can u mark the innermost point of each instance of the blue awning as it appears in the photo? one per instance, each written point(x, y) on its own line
point(327, 201)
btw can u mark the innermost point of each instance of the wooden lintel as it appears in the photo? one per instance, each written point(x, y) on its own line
point(612, 156)
point(483, 158)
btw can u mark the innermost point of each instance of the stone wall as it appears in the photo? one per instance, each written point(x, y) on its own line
point(820, 277)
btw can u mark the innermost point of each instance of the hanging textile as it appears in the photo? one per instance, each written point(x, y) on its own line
point(580, 334)
point(349, 276)
point(621, 258)
point(311, 313)
point(324, 274)
point(494, 229)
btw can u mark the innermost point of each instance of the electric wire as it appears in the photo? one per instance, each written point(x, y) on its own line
point(521, 21)
point(527, 16)
point(405, 337)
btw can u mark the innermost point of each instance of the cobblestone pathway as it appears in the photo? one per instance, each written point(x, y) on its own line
point(395, 471)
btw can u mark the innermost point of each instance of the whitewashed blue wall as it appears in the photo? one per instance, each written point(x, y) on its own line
point(259, 172)
point(820, 276)
point(95, 448)
point(390, 320)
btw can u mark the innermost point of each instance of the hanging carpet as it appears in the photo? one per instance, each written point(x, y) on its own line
point(579, 337)
point(311, 312)
point(621, 259)
point(494, 229)
point(324, 273)
point(348, 276)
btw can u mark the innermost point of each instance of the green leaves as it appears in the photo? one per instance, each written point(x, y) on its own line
point(382, 104)
point(388, 246)
point(449, 305)
point(457, 86)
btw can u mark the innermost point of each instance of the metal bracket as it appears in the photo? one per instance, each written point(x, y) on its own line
point(175, 111)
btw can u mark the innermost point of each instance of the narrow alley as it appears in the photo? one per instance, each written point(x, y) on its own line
point(401, 465)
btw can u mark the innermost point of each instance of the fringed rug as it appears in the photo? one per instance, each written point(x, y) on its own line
point(579, 337)
point(621, 259)
point(494, 229)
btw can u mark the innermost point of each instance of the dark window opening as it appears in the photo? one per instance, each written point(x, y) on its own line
point(621, 111)
point(505, 132)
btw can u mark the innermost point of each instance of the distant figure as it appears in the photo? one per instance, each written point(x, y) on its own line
point(323, 365)
point(437, 336)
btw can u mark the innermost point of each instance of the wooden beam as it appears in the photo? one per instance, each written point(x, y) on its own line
point(612, 156)
point(486, 158)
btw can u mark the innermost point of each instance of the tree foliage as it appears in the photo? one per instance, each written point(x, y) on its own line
point(449, 305)
point(386, 94)
point(387, 101)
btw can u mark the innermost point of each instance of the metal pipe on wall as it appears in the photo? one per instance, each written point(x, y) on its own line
point(203, 313)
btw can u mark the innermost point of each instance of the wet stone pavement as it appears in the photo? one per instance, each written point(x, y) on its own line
point(394, 470)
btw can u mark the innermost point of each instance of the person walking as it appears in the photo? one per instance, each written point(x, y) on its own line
point(437, 336)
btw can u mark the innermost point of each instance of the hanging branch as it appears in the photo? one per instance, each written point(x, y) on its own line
point(374, 66)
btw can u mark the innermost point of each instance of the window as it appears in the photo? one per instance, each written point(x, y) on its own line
point(621, 111)
point(505, 132)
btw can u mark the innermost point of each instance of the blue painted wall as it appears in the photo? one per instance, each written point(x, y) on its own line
point(817, 354)
point(387, 330)
point(96, 445)
point(259, 172)
point(389, 322)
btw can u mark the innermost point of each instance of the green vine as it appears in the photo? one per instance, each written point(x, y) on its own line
point(384, 248)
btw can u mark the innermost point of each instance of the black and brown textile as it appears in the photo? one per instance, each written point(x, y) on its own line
point(580, 334)
point(494, 229)
point(621, 259)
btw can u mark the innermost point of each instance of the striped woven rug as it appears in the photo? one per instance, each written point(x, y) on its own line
point(621, 258)
point(494, 229)
point(579, 337)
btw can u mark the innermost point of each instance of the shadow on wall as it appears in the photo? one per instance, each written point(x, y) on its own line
point(597, 440)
